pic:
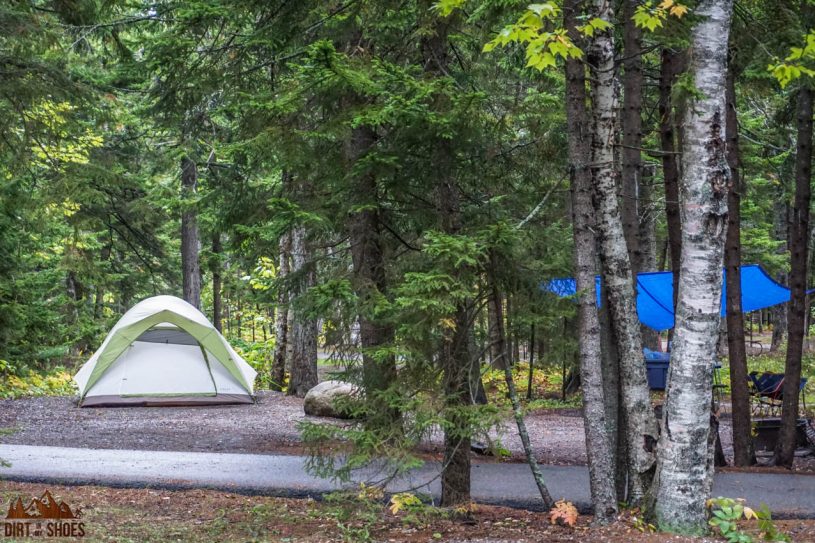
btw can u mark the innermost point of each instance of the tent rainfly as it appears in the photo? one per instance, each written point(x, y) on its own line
point(164, 351)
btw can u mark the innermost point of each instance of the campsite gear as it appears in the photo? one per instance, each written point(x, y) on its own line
point(656, 365)
point(164, 351)
point(655, 294)
point(767, 392)
point(765, 433)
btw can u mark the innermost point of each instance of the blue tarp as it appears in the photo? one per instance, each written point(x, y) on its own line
point(655, 294)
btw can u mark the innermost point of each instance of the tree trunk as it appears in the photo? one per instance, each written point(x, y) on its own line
point(778, 316)
point(647, 242)
point(647, 221)
point(512, 393)
point(743, 454)
point(514, 338)
point(685, 453)
point(477, 392)
point(228, 311)
point(799, 258)
point(663, 255)
point(531, 363)
point(304, 329)
point(781, 216)
point(215, 268)
point(456, 364)
point(641, 425)
point(498, 347)
point(455, 359)
point(370, 282)
point(509, 341)
point(190, 245)
point(669, 68)
point(73, 288)
point(239, 317)
point(281, 323)
point(632, 133)
point(598, 445)
point(99, 302)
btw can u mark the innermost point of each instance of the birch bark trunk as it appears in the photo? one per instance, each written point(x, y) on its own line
point(743, 454)
point(641, 428)
point(190, 244)
point(304, 328)
point(512, 393)
point(684, 468)
point(598, 446)
point(799, 259)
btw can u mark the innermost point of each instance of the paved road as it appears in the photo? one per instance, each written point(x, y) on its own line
point(280, 475)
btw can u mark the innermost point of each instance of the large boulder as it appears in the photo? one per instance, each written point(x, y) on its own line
point(327, 398)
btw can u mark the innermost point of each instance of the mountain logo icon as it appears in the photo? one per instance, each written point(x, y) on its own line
point(44, 507)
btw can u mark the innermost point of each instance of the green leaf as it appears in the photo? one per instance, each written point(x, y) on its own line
point(446, 7)
point(600, 24)
point(646, 18)
point(544, 11)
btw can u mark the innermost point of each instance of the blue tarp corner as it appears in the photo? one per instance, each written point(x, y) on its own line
point(655, 294)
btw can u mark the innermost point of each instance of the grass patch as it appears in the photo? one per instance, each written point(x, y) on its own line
point(547, 388)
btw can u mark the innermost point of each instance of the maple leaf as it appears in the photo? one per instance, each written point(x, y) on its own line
point(564, 513)
point(679, 10)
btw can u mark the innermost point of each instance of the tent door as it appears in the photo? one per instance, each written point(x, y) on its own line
point(161, 369)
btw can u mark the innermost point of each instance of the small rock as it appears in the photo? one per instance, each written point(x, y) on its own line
point(321, 401)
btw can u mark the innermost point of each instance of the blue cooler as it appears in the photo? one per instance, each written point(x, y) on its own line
point(656, 365)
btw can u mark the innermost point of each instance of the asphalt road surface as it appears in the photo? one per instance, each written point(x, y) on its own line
point(787, 495)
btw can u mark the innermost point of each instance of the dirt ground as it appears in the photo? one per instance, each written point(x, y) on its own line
point(143, 515)
point(269, 426)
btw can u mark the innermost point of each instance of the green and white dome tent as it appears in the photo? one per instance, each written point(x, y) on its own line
point(164, 351)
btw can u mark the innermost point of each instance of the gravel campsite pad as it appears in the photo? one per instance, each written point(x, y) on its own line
point(269, 426)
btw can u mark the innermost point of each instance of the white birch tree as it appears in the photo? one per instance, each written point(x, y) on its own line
point(598, 441)
point(640, 426)
point(684, 459)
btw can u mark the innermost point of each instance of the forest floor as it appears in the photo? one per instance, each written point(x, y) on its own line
point(145, 515)
point(269, 426)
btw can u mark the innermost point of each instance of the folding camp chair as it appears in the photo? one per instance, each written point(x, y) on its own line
point(767, 393)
